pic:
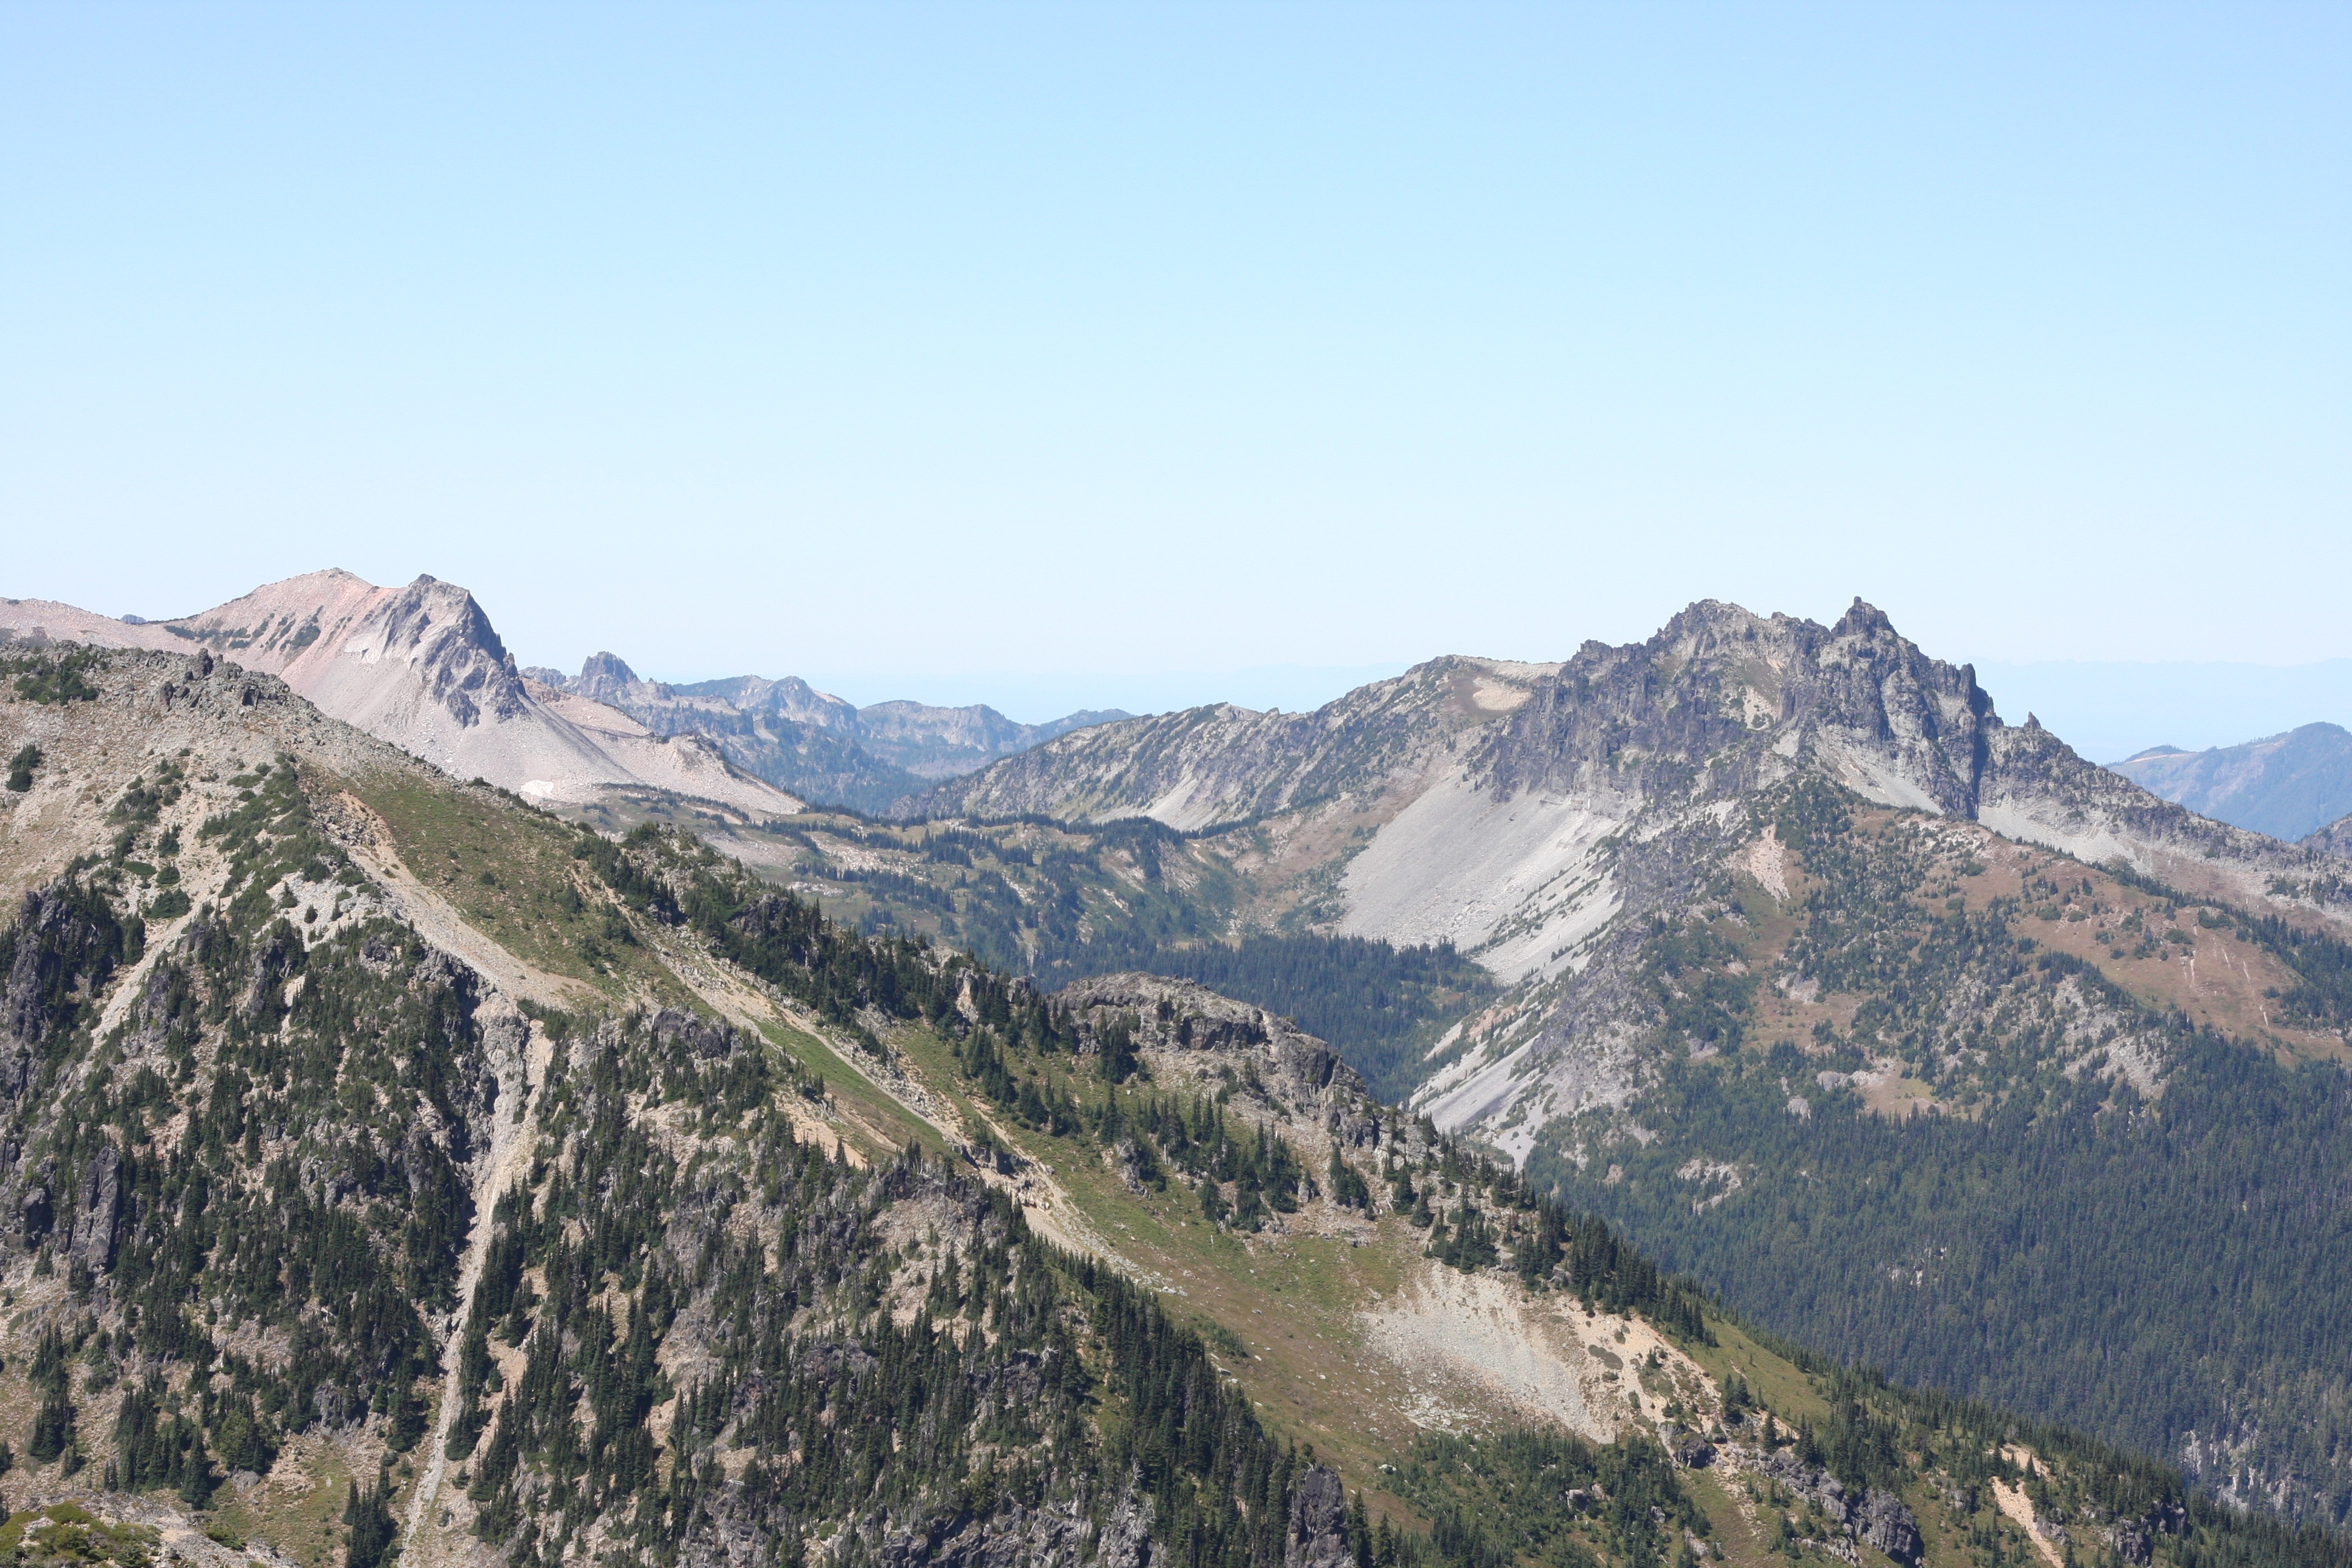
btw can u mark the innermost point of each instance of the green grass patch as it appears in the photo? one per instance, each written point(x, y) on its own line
point(509, 870)
point(1773, 1381)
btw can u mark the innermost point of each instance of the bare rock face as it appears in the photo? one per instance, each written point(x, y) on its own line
point(445, 636)
point(1014, 1537)
point(709, 1042)
point(1126, 1540)
point(34, 1215)
point(1184, 1016)
point(1687, 1448)
point(1808, 1481)
point(1318, 1515)
point(1859, 698)
point(1885, 1523)
point(604, 677)
point(66, 942)
point(99, 1214)
point(1878, 1518)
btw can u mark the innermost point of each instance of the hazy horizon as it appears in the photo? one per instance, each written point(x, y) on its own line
point(1144, 339)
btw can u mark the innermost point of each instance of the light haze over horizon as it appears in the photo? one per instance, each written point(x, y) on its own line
point(940, 345)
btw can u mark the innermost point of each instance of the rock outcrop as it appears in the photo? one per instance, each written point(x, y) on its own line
point(1183, 1018)
point(65, 944)
point(1318, 1523)
point(2335, 838)
point(1876, 1516)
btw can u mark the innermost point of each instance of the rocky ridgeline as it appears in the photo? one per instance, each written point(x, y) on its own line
point(1874, 1517)
point(1206, 766)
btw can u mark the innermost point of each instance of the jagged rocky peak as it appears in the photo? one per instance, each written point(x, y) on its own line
point(441, 631)
point(1862, 698)
point(604, 677)
point(1718, 687)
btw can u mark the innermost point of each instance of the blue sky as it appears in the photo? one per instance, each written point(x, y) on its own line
point(949, 344)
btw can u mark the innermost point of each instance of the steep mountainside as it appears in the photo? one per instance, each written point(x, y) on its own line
point(813, 743)
point(1984, 1087)
point(394, 1170)
point(1988, 926)
point(422, 668)
point(2287, 785)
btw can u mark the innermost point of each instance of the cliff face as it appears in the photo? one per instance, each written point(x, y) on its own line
point(423, 668)
point(1739, 695)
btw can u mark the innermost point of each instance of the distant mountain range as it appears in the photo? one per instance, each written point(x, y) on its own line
point(423, 668)
point(2289, 785)
point(813, 744)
